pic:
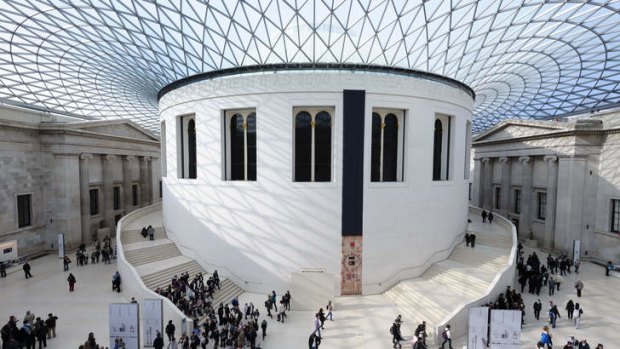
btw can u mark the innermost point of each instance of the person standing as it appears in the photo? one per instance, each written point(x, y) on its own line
point(50, 322)
point(537, 309)
point(491, 216)
point(2, 270)
point(576, 264)
point(273, 300)
point(65, 263)
point(609, 267)
point(158, 343)
point(579, 287)
point(472, 237)
point(467, 239)
point(27, 268)
point(116, 282)
point(263, 327)
point(170, 329)
point(484, 216)
point(446, 335)
point(71, 280)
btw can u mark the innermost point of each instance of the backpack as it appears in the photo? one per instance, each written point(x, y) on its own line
point(392, 330)
point(444, 334)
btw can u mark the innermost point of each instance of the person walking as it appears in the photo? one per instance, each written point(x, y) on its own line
point(577, 315)
point(50, 323)
point(491, 216)
point(2, 270)
point(170, 329)
point(472, 237)
point(484, 216)
point(273, 300)
point(27, 268)
point(71, 280)
point(395, 332)
point(579, 287)
point(158, 343)
point(467, 239)
point(330, 310)
point(537, 309)
point(570, 307)
point(116, 282)
point(263, 327)
point(446, 334)
point(546, 337)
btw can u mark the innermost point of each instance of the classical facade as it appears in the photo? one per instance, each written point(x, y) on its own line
point(294, 179)
point(557, 181)
point(69, 176)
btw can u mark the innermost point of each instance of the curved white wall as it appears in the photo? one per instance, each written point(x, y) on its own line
point(265, 231)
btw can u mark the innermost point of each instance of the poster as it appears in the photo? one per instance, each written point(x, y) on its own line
point(8, 251)
point(152, 315)
point(124, 323)
point(505, 329)
point(61, 245)
point(478, 328)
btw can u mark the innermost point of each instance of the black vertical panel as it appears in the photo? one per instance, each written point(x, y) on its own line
point(353, 162)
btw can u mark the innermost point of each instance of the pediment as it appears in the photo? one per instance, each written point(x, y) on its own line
point(122, 129)
point(511, 130)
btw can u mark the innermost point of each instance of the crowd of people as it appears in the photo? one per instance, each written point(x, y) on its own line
point(32, 331)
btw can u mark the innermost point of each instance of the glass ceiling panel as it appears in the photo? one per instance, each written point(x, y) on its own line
point(108, 59)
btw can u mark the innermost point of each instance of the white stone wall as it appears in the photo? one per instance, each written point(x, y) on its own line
point(264, 231)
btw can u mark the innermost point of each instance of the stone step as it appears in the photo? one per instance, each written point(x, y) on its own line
point(152, 254)
point(162, 278)
point(455, 279)
point(133, 236)
point(228, 290)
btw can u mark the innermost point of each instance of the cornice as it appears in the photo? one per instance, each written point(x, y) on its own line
point(560, 134)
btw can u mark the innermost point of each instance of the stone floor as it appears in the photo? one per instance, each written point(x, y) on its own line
point(359, 322)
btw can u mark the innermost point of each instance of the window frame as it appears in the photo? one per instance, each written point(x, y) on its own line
point(23, 222)
point(135, 194)
point(497, 197)
point(447, 143)
point(313, 111)
point(401, 132)
point(97, 201)
point(183, 146)
point(516, 200)
point(227, 115)
point(541, 208)
point(117, 201)
point(614, 215)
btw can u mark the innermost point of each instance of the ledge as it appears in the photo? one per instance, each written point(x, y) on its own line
point(608, 234)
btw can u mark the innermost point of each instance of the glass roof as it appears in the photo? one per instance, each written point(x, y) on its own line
point(109, 58)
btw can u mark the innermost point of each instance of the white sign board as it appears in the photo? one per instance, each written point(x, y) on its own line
point(125, 324)
point(576, 250)
point(505, 329)
point(8, 251)
point(61, 245)
point(152, 315)
point(478, 328)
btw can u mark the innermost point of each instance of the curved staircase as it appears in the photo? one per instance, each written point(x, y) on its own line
point(461, 279)
point(158, 261)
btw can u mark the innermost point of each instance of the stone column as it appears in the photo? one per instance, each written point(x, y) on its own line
point(487, 197)
point(552, 190)
point(108, 195)
point(85, 196)
point(504, 205)
point(149, 174)
point(525, 217)
point(127, 182)
point(145, 182)
point(476, 195)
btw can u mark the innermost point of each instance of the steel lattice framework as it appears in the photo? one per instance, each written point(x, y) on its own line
point(108, 59)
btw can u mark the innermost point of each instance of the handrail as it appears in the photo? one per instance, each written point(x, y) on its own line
point(226, 271)
point(457, 239)
point(131, 269)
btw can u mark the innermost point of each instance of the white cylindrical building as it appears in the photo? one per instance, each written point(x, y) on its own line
point(319, 180)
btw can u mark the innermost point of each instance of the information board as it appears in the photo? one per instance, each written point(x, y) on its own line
point(152, 315)
point(125, 324)
point(505, 329)
point(478, 328)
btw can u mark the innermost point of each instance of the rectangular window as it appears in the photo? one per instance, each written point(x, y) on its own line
point(186, 143)
point(94, 201)
point(442, 147)
point(542, 205)
point(312, 144)
point(116, 194)
point(615, 215)
point(387, 145)
point(134, 195)
point(24, 210)
point(470, 188)
point(498, 197)
point(162, 142)
point(240, 145)
point(161, 189)
point(517, 201)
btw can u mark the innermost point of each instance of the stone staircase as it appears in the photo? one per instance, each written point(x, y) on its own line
point(462, 278)
point(158, 261)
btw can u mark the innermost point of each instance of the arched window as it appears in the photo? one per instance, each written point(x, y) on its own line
point(437, 143)
point(237, 148)
point(191, 148)
point(387, 145)
point(303, 147)
point(313, 144)
point(442, 147)
point(322, 147)
point(186, 131)
point(251, 147)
